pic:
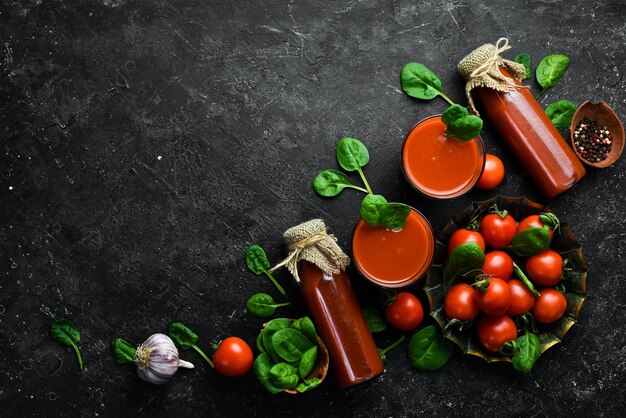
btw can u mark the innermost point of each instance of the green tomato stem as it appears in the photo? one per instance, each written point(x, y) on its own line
point(442, 94)
point(369, 189)
point(524, 279)
point(78, 356)
point(393, 345)
point(361, 189)
point(195, 347)
point(278, 286)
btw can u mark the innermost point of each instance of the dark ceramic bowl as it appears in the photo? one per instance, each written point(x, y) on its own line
point(563, 242)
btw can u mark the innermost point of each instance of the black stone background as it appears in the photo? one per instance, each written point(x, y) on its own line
point(146, 144)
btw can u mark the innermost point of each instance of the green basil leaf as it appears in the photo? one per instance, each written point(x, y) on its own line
point(525, 358)
point(375, 319)
point(420, 82)
point(393, 216)
point(306, 327)
point(290, 344)
point(123, 352)
point(330, 183)
point(352, 154)
point(524, 59)
point(460, 124)
point(183, 337)
point(561, 113)
point(551, 69)
point(284, 376)
point(466, 257)
point(64, 331)
point(371, 208)
point(307, 362)
point(429, 350)
point(263, 305)
point(262, 366)
point(531, 241)
point(308, 384)
point(257, 260)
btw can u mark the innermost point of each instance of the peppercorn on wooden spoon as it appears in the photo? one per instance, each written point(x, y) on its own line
point(605, 116)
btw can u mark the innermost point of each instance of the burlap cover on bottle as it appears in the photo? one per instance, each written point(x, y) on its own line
point(480, 69)
point(309, 241)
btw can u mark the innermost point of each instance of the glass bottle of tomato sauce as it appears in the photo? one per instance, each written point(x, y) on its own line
point(318, 265)
point(519, 118)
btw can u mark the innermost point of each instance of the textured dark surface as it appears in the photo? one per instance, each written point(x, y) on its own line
point(145, 144)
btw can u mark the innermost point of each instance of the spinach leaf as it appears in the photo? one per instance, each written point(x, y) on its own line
point(259, 343)
point(550, 70)
point(372, 207)
point(268, 332)
point(262, 366)
point(263, 305)
point(284, 376)
point(393, 216)
point(257, 262)
point(561, 113)
point(352, 154)
point(307, 362)
point(466, 257)
point(184, 338)
point(331, 182)
point(531, 241)
point(375, 319)
point(290, 344)
point(524, 59)
point(429, 350)
point(308, 384)
point(524, 359)
point(123, 352)
point(306, 327)
point(420, 82)
point(460, 124)
point(64, 331)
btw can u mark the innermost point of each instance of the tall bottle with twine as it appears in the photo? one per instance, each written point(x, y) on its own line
point(318, 265)
point(519, 119)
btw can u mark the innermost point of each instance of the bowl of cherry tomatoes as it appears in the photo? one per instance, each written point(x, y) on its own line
point(507, 281)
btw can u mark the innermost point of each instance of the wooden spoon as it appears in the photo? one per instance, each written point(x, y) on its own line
point(605, 116)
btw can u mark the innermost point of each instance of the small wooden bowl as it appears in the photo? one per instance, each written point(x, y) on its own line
point(605, 116)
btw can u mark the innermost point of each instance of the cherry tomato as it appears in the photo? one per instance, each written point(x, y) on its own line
point(494, 331)
point(461, 236)
point(545, 268)
point(460, 302)
point(522, 300)
point(498, 263)
point(405, 312)
point(493, 174)
point(532, 221)
point(496, 299)
point(497, 231)
point(549, 306)
point(233, 357)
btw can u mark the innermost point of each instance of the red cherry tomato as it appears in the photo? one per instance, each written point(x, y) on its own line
point(405, 312)
point(532, 221)
point(233, 357)
point(496, 299)
point(522, 300)
point(461, 236)
point(493, 174)
point(497, 231)
point(498, 263)
point(545, 268)
point(460, 302)
point(549, 306)
point(494, 331)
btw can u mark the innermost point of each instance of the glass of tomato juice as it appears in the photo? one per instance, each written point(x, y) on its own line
point(391, 258)
point(441, 167)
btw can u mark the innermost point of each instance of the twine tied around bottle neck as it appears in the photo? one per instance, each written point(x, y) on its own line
point(309, 241)
point(480, 68)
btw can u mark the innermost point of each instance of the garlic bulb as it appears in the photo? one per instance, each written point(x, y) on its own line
point(157, 359)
